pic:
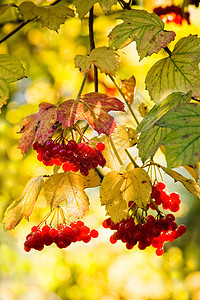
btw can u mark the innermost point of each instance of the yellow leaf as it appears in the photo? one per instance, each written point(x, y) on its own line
point(128, 88)
point(119, 188)
point(115, 145)
point(143, 109)
point(189, 184)
point(69, 187)
point(192, 172)
point(24, 206)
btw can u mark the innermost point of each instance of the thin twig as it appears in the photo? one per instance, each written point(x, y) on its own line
point(131, 159)
point(92, 46)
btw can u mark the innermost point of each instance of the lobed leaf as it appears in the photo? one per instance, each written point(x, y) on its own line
point(183, 142)
point(152, 136)
point(69, 187)
point(189, 184)
point(50, 16)
point(24, 206)
point(11, 70)
point(92, 107)
point(84, 6)
point(103, 58)
point(178, 72)
point(115, 145)
point(40, 124)
point(118, 189)
point(146, 29)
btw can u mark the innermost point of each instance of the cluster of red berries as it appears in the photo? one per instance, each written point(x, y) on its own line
point(150, 231)
point(168, 201)
point(72, 156)
point(172, 13)
point(63, 235)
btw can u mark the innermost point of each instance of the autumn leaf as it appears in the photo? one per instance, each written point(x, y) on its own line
point(92, 107)
point(103, 58)
point(189, 184)
point(182, 144)
point(50, 16)
point(4, 7)
point(146, 29)
point(11, 70)
point(152, 135)
point(24, 206)
point(69, 187)
point(40, 124)
point(84, 6)
point(128, 88)
point(177, 73)
point(115, 146)
point(192, 172)
point(143, 109)
point(118, 189)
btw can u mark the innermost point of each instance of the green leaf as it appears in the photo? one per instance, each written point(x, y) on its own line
point(178, 72)
point(24, 206)
point(50, 16)
point(118, 189)
point(4, 7)
point(146, 29)
point(115, 145)
point(103, 58)
point(183, 142)
point(152, 136)
point(69, 187)
point(84, 6)
point(11, 70)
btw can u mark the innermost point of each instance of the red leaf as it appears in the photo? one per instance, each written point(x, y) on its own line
point(92, 107)
point(40, 124)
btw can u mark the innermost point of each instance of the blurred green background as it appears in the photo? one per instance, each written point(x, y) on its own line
point(97, 270)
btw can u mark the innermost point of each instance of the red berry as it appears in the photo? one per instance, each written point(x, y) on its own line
point(112, 240)
point(94, 233)
point(100, 146)
point(34, 228)
point(159, 251)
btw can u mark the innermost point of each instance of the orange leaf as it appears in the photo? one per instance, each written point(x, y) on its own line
point(128, 88)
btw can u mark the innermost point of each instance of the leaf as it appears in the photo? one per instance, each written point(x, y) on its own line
point(84, 6)
point(24, 206)
point(92, 107)
point(69, 187)
point(4, 7)
point(11, 70)
point(146, 29)
point(128, 88)
point(50, 16)
point(178, 72)
point(103, 58)
point(40, 124)
point(189, 184)
point(115, 146)
point(119, 188)
point(143, 109)
point(152, 136)
point(183, 142)
point(192, 172)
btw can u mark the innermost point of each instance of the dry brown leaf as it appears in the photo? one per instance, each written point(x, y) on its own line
point(128, 88)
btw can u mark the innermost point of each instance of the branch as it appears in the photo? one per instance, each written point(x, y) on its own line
point(92, 46)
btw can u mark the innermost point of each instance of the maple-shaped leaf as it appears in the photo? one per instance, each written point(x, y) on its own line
point(189, 184)
point(115, 146)
point(182, 144)
point(84, 6)
point(128, 88)
point(177, 73)
point(69, 187)
point(24, 206)
point(146, 29)
point(50, 16)
point(40, 124)
point(118, 189)
point(92, 107)
point(11, 70)
point(103, 58)
point(152, 135)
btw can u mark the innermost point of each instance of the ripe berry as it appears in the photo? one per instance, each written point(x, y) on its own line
point(100, 146)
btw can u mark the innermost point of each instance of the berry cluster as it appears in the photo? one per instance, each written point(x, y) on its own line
point(72, 156)
point(63, 235)
point(168, 201)
point(150, 231)
point(172, 13)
